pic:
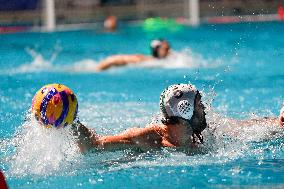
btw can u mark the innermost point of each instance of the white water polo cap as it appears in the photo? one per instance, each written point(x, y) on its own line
point(178, 100)
point(156, 43)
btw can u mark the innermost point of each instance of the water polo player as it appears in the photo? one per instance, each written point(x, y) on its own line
point(181, 126)
point(159, 48)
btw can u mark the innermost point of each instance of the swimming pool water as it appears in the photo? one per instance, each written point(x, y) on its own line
point(239, 67)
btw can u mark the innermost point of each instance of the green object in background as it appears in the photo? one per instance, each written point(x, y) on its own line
point(158, 24)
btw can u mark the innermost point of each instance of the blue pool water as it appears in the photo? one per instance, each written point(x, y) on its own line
point(238, 67)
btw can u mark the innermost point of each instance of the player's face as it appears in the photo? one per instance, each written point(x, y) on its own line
point(164, 50)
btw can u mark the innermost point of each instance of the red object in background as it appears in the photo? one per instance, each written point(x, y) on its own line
point(3, 184)
point(12, 29)
point(281, 12)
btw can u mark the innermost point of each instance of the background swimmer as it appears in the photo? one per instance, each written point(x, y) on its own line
point(159, 48)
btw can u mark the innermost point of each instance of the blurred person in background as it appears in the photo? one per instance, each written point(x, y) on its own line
point(160, 49)
point(110, 23)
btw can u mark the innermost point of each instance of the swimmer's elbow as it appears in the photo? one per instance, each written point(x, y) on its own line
point(102, 66)
point(108, 64)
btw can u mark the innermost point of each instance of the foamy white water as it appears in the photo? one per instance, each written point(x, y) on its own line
point(183, 59)
point(41, 151)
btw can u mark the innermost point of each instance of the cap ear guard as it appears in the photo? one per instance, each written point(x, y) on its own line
point(185, 109)
point(178, 101)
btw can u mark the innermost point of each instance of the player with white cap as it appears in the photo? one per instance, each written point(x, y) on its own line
point(181, 127)
point(183, 102)
point(160, 49)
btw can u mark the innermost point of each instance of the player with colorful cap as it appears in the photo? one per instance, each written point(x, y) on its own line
point(160, 49)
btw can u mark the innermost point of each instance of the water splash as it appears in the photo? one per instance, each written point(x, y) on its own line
point(39, 62)
point(36, 150)
point(183, 59)
point(84, 66)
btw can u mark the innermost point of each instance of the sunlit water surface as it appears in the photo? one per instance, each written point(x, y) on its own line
point(238, 67)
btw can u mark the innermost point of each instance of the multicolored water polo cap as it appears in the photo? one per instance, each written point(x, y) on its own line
point(55, 105)
point(178, 101)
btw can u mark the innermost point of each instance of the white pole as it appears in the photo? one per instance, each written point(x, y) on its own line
point(194, 12)
point(49, 15)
